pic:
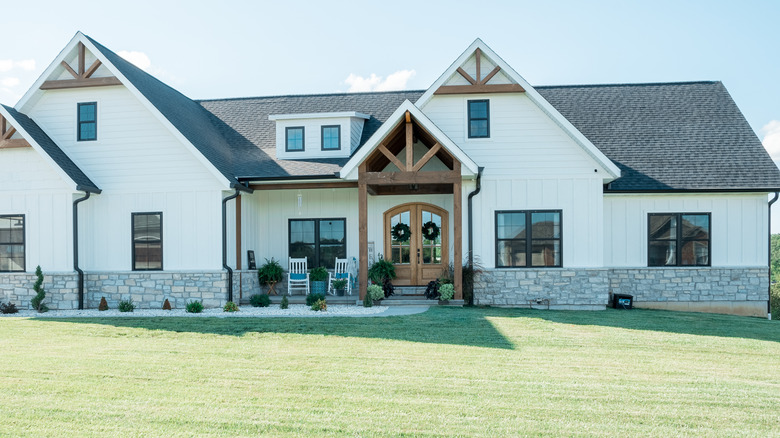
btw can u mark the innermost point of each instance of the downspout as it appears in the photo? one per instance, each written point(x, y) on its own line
point(224, 243)
point(471, 234)
point(769, 256)
point(76, 248)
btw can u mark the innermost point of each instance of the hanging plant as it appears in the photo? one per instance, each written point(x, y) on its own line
point(401, 232)
point(430, 230)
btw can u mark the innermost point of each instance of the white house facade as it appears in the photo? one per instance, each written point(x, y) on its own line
point(119, 186)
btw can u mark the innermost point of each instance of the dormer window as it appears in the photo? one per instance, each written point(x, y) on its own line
point(87, 121)
point(479, 118)
point(294, 139)
point(331, 138)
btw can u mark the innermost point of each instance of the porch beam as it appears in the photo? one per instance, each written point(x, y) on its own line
point(427, 157)
point(14, 143)
point(393, 159)
point(362, 232)
point(300, 186)
point(238, 232)
point(457, 211)
point(80, 83)
point(409, 143)
point(484, 88)
point(396, 178)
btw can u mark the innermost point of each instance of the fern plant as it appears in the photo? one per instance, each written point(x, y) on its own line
point(37, 300)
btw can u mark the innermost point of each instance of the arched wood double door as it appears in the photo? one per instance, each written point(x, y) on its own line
point(417, 260)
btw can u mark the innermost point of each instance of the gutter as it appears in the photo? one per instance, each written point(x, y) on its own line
point(76, 247)
point(471, 234)
point(769, 255)
point(238, 188)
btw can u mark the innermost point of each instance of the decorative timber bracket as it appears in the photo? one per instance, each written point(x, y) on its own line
point(480, 84)
point(6, 132)
point(82, 76)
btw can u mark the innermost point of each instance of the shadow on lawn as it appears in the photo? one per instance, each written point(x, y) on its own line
point(701, 324)
point(455, 326)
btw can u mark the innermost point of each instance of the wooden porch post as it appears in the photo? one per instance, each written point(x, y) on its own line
point(362, 231)
point(457, 211)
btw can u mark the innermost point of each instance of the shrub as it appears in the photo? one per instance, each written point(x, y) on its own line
point(380, 270)
point(432, 290)
point(285, 303)
point(37, 300)
point(230, 307)
point(313, 298)
point(446, 292)
point(367, 301)
point(318, 274)
point(103, 304)
point(270, 273)
point(194, 306)
point(375, 292)
point(260, 300)
point(775, 292)
point(340, 284)
point(319, 305)
point(167, 305)
point(126, 305)
point(8, 308)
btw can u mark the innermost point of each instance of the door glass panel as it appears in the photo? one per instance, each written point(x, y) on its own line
point(400, 251)
point(429, 222)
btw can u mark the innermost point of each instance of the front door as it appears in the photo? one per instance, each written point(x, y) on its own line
point(419, 254)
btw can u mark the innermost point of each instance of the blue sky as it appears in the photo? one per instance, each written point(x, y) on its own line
point(231, 48)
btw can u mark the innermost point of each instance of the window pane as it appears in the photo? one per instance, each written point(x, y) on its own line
point(479, 128)
point(331, 231)
point(545, 253)
point(511, 253)
point(87, 112)
point(330, 137)
point(405, 252)
point(511, 226)
point(478, 110)
point(294, 139)
point(695, 226)
point(301, 232)
point(663, 253)
point(663, 226)
point(695, 253)
point(87, 131)
point(147, 241)
point(332, 242)
point(545, 225)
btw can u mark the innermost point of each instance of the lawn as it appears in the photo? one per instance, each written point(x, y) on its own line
point(449, 371)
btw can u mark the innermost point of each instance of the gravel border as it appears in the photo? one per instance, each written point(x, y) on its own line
point(295, 311)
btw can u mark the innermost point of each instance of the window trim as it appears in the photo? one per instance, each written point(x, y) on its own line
point(469, 119)
point(529, 239)
point(315, 263)
point(287, 139)
point(79, 122)
point(679, 240)
point(132, 240)
point(24, 240)
point(322, 138)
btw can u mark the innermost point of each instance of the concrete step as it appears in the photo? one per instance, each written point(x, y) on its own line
point(410, 290)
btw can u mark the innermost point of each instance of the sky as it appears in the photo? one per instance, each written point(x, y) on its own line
point(233, 48)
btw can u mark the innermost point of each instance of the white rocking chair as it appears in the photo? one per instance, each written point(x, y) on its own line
point(340, 272)
point(298, 275)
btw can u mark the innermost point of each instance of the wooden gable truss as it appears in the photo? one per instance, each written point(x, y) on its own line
point(480, 83)
point(82, 76)
point(6, 132)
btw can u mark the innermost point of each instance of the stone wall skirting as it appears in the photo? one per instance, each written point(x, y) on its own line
point(651, 287)
point(149, 290)
point(61, 289)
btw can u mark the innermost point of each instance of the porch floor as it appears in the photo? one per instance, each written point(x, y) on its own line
point(395, 300)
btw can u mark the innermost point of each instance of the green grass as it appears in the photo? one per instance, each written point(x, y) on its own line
point(449, 371)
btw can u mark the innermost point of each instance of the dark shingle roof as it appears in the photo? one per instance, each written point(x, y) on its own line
point(245, 123)
point(672, 136)
point(52, 150)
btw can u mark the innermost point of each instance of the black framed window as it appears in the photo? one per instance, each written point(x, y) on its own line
point(678, 239)
point(320, 240)
point(87, 121)
point(331, 138)
point(479, 118)
point(12, 247)
point(147, 241)
point(528, 239)
point(293, 139)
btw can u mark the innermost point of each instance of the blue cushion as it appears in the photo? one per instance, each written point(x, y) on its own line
point(297, 276)
point(342, 275)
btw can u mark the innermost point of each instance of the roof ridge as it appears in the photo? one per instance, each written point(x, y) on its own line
point(627, 84)
point(279, 96)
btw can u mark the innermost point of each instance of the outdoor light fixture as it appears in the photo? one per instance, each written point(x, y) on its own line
point(300, 202)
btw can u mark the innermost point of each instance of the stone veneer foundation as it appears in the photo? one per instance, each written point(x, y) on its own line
point(61, 289)
point(741, 291)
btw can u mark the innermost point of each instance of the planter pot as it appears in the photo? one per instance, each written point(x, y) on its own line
point(340, 292)
point(319, 287)
point(377, 302)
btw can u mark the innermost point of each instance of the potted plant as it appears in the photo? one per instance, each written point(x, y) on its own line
point(375, 293)
point(383, 272)
point(446, 292)
point(269, 274)
point(339, 285)
point(319, 280)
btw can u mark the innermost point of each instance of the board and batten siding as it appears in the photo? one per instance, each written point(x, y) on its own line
point(265, 215)
point(30, 186)
point(134, 151)
point(738, 226)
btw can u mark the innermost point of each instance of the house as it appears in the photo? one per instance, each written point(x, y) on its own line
point(120, 186)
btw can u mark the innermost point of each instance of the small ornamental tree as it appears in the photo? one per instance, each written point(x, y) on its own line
point(167, 305)
point(103, 304)
point(37, 300)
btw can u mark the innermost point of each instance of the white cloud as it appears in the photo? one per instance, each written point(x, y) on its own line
point(140, 59)
point(9, 82)
point(7, 65)
point(394, 81)
point(771, 141)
